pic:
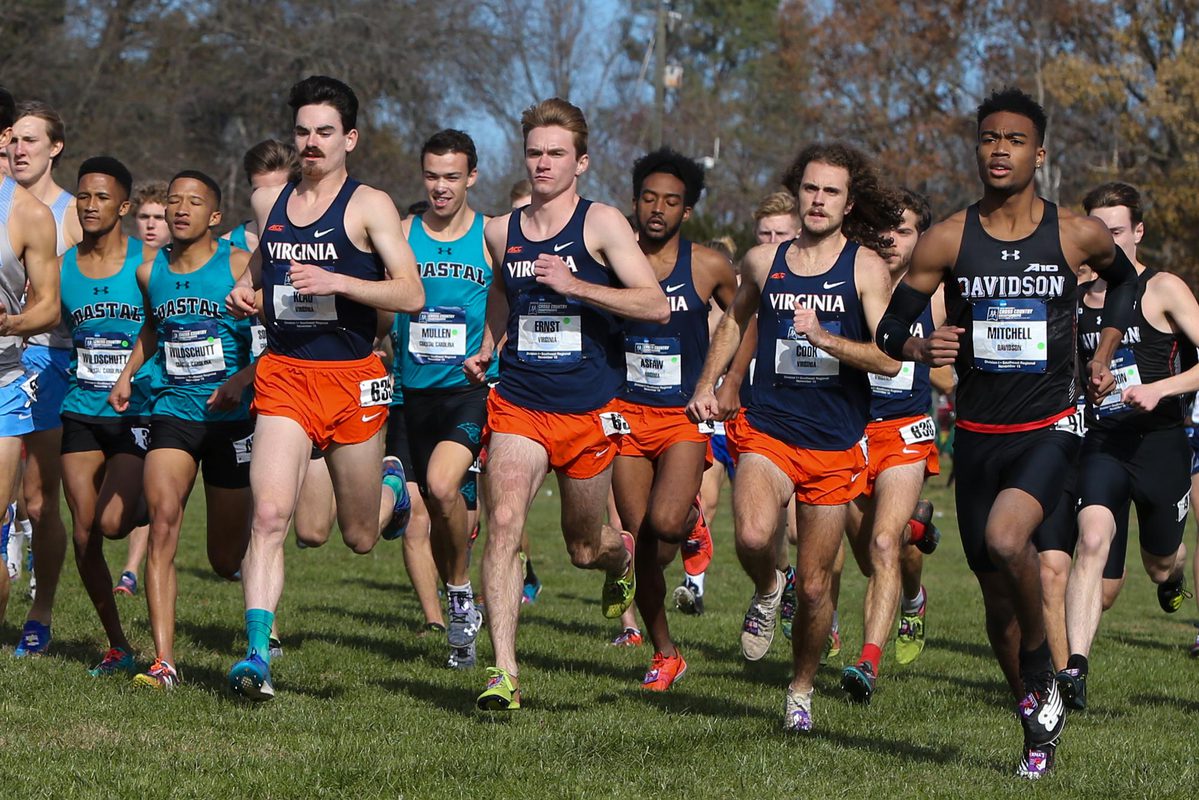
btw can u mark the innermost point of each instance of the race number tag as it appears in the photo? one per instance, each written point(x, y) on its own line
point(614, 423)
point(1127, 374)
point(193, 353)
point(438, 336)
point(375, 392)
point(1075, 423)
point(242, 448)
point(551, 332)
point(257, 340)
point(302, 310)
point(29, 386)
point(798, 362)
point(1010, 336)
point(708, 427)
point(899, 385)
point(718, 428)
point(922, 430)
point(100, 358)
point(654, 365)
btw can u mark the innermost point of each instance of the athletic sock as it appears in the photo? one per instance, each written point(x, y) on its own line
point(259, 622)
point(912, 605)
point(463, 589)
point(790, 573)
point(836, 622)
point(872, 654)
point(1079, 662)
point(1037, 661)
point(530, 575)
point(397, 489)
point(697, 581)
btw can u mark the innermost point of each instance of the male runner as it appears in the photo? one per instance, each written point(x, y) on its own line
point(776, 219)
point(1135, 450)
point(818, 298)
point(199, 407)
point(332, 252)
point(902, 447)
point(569, 267)
point(102, 449)
point(268, 164)
point(38, 141)
point(1009, 263)
point(444, 412)
point(661, 460)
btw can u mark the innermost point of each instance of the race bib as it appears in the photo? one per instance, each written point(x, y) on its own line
point(922, 430)
point(257, 340)
point(100, 358)
point(438, 336)
point(1010, 336)
point(614, 423)
point(1075, 423)
point(302, 310)
point(375, 392)
point(550, 332)
point(1127, 374)
point(798, 362)
point(718, 428)
point(654, 365)
point(193, 353)
point(901, 384)
point(242, 449)
point(708, 427)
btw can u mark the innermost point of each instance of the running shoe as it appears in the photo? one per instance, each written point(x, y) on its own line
point(663, 672)
point(1072, 684)
point(465, 620)
point(462, 657)
point(618, 593)
point(797, 711)
point(1195, 646)
point(161, 675)
point(697, 550)
point(1042, 712)
point(1171, 594)
point(35, 639)
point(909, 640)
point(832, 647)
point(127, 585)
point(787, 609)
point(251, 678)
point(501, 694)
point(117, 659)
point(688, 598)
point(932, 536)
point(275, 648)
point(757, 631)
point(531, 589)
point(858, 682)
point(1037, 762)
point(629, 637)
point(402, 510)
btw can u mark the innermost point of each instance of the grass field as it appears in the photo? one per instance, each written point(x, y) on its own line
point(366, 709)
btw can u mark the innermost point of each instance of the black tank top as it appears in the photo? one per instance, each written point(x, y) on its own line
point(1017, 302)
point(1145, 355)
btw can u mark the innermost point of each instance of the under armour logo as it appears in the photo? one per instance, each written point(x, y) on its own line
point(183, 284)
point(1010, 255)
point(445, 251)
point(99, 290)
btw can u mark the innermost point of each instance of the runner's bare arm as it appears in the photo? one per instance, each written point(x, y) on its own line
point(1182, 310)
point(1091, 237)
point(37, 247)
point(495, 235)
point(728, 393)
point(714, 275)
point(874, 289)
point(144, 346)
point(933, 258)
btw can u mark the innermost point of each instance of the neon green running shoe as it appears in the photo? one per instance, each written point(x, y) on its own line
point(501, 694)
point(618, 593)
point(909, 639)
point(1171, 595)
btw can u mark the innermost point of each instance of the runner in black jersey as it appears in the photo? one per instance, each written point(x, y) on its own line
point(1136, 448)
point(1009, 264)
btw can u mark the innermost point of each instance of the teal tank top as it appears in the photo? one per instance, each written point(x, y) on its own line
point(104, 316)
point(237, 237)
point(449, 328)
point(199, 343)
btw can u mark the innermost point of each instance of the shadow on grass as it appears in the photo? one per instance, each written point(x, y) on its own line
point(973, 649)
point(1171, 647)
point(1189, 706)
point(456, 700)
point(907, 750)
point(684, 702)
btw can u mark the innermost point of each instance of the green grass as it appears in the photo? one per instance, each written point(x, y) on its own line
point(366, 709)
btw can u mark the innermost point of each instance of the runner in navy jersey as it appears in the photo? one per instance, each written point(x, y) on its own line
point(817, 299)
point(569, 267)
point(1009, 264)
point(331, 252)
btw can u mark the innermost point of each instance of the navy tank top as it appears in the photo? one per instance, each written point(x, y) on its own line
point(562, 355)
point(801, 395)
point(909, 393)
point(306, 326)
point(663, 362)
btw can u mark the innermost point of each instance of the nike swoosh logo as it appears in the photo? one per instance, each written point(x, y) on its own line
point(319, 234)
point(560, 247)
point(828, 285)
point(365, 418)
point(675, 288)
point(600, 454)
point(910, 452)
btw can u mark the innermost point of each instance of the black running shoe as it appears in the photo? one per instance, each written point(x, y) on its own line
point(1072, 683)
point(1037, 762)
point(858, 682)
point(932, 537)
point(1170, 595)
point(1042, 712)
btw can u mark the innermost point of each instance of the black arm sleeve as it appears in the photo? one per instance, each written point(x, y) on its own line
point(895, 328)
point(1119, 305)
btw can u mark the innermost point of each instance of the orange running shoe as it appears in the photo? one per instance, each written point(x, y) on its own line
point(663, 672)
point(697, 550)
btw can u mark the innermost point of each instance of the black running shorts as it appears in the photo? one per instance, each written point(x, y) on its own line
point(110, 435)
point(222, 449)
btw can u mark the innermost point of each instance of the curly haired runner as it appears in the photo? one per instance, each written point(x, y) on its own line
point(818, 299)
